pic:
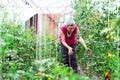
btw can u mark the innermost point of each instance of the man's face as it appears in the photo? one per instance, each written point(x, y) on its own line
point(70, 29)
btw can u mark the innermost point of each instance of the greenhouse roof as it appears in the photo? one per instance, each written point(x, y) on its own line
point(55, 6)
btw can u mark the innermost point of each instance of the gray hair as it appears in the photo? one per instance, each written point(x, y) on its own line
point(70, 22)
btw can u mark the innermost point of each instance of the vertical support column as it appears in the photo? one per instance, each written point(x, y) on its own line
point(31, 21)
point(45, 36)
point(56, 36)
point(40, 26)
point(37, 24)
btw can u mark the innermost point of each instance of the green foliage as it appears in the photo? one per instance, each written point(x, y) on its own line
point(63, 73)
point(99, 27)
point(50, 69)
point(18, 46)
point(49, 45)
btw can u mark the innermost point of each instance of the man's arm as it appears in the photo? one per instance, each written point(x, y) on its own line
point(81, 40)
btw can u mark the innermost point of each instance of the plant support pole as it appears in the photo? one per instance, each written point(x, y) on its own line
point(69, 61)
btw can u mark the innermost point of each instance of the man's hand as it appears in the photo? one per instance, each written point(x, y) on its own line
point(70, 51)
point(89, 51)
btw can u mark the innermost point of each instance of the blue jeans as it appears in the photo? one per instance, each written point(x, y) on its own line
point(69, 60)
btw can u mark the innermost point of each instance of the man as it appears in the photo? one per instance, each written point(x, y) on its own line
point(68, 34)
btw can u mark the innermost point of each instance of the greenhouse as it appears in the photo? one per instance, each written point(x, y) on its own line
point(59, 40)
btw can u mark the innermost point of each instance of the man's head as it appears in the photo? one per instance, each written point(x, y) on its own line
point(70, 25)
